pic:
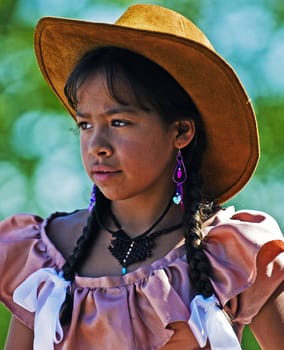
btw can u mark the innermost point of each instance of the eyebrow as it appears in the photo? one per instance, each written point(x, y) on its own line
point(108, 112)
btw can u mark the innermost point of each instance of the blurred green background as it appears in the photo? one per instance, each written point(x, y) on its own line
point(40, 167)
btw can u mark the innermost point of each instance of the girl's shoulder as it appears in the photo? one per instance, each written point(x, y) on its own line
point(229, 227)
point(18, 225)
point(246, 253)
point(56, 229)
point(64, 229)
point(25, 247)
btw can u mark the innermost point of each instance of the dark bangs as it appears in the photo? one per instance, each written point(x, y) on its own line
point(147, 85)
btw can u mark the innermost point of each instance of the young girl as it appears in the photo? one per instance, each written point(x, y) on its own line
point(167, 134)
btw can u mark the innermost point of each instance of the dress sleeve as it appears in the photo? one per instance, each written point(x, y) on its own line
point(246, 251)
point(21, 253)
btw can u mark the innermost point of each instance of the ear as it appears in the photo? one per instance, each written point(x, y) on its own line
point(185, 131)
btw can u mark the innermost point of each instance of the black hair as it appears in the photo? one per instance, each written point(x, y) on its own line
point(151, 87)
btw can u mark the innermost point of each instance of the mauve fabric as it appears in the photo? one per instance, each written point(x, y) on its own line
point(148, 308)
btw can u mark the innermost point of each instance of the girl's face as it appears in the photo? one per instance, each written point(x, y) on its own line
point(126, 151)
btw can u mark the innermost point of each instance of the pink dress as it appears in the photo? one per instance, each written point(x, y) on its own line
point(148, 308)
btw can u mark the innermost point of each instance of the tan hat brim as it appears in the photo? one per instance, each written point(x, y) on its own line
point(232, 139)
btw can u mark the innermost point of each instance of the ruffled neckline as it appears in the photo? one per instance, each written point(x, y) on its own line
point(146, 301)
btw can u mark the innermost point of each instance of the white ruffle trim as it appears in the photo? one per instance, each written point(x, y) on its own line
point(46, 302)
point(207, 321)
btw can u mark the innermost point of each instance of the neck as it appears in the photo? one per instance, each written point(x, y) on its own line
point(136, 216)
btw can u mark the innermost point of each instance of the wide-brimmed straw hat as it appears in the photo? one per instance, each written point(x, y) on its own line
point(177, 45)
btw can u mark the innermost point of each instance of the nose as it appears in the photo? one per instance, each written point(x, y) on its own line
point(103, 152)
point(99, 146)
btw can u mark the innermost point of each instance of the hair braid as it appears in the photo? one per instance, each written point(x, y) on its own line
point(80, 253)
point(195, 213)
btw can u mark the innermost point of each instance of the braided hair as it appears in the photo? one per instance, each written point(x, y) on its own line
point(150, 87)
point(196, 211)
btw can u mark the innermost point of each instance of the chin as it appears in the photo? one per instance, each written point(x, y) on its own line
point(113, 196)
point(117, 196)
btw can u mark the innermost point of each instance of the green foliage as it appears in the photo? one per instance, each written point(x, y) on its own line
point(4, 323)
point(271, 127)
point(249, 341)
point(34, 129)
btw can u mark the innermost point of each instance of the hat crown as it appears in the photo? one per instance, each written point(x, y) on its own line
point(159, 19)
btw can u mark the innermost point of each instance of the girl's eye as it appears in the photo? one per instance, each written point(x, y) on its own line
point(84, 125)
point(118, 123)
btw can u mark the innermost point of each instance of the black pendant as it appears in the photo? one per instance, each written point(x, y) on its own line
point(129, 251)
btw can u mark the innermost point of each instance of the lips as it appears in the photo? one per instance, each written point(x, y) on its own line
point(103, 173)
point(102, 169)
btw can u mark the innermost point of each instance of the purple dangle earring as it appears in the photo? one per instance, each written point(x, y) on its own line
point(179, 178)
point(92, 199)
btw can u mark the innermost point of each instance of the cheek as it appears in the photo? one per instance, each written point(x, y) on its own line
point(84, 152)
point(148, 157)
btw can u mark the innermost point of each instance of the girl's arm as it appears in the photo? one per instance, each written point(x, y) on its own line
point(19, 336)
point(268, 325)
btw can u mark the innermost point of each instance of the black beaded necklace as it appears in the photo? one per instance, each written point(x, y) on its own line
point(129, 250)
